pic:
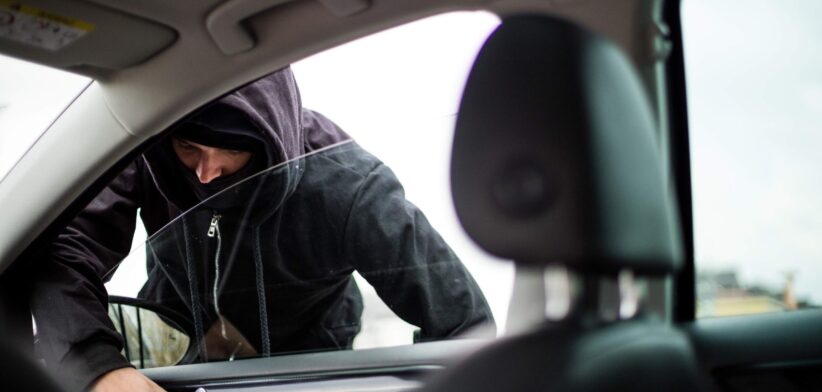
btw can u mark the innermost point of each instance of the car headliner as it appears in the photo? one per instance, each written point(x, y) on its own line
point(129, 103)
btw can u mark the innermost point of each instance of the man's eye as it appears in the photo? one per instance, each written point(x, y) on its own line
point(235, 152)
point(186, 146)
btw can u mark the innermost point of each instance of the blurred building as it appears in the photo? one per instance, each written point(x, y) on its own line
point(720, 293)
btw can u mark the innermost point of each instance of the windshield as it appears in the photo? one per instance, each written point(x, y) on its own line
point(31, 97)
point(265, 266)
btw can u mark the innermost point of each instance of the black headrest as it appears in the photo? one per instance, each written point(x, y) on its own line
point(555, 158)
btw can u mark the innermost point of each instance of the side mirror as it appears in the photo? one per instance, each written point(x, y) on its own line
point(154, 336)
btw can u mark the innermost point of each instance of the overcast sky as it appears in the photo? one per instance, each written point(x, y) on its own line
point(755, 110)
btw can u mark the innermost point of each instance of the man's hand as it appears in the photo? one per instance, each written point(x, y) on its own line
point(125, 379)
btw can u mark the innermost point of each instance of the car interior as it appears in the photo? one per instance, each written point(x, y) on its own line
point(571, 153)
point(580, 186)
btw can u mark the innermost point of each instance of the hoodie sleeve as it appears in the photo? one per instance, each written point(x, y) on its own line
point(75, 336)
point(393, 246)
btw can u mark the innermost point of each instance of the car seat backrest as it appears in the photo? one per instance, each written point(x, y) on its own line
point(555, 162)
point(555, 158)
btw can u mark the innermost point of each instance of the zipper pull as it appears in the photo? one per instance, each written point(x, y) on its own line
point(212, 228)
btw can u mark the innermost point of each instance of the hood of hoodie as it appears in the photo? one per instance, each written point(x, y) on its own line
point(268, 112)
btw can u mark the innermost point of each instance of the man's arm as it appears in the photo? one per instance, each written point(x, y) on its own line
point(75, 336)
point(394, 247)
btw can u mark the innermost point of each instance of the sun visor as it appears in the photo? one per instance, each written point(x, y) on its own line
point(78, 36)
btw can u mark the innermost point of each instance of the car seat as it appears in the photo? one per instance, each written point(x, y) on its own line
point(556, 162)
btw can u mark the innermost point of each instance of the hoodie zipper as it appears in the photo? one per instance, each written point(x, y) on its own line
point(214, 230)
point(213, 227)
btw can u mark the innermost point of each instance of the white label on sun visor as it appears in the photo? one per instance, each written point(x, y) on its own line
point(34, 26)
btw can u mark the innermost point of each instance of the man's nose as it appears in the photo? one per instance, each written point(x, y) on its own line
point(208, 169)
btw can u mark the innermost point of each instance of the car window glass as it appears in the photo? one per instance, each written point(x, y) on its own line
point(31, 97)
point(399, 108)
point(755, 115)
point(410, 86)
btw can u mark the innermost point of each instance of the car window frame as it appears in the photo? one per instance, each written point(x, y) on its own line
point(684, 284)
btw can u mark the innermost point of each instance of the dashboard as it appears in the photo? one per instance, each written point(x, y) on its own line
point(386, 369)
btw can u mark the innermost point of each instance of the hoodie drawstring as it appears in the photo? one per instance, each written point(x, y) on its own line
point(194, 292)
point(258, 265)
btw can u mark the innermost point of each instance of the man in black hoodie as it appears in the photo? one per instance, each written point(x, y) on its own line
point(264, 262)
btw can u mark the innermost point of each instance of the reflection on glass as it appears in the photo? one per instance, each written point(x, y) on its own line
point(149, 341)
point(265, 266)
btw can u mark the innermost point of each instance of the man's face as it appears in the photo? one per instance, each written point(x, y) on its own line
point(209, 162)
